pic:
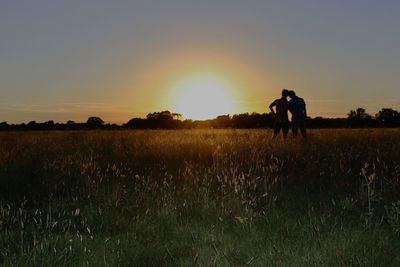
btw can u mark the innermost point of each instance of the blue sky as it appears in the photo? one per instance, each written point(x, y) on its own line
point(63, 60)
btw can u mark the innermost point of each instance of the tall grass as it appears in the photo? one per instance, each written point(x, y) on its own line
point(203, 197)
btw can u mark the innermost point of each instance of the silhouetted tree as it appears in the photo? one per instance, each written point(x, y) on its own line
point(359, 113)
point(320, 122)
point(223, 121)
point(4, 125)
point(32, 125)
point(253, 120)
point(137, 123)
point(48, 124)
point(157, 120)
point(359, 118)
point(164, 119)
point(94, 122)
point(388, 117)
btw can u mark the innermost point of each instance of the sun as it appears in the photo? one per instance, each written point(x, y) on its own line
point(204, 96)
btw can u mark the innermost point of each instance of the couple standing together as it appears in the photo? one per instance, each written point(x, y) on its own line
point(297, 108)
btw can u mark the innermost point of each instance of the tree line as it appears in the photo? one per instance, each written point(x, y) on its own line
point(357, 118)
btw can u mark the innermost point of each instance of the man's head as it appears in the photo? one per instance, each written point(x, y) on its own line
point(285, 92)
point(291, 94)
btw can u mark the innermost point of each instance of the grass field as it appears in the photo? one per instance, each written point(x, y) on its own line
point(200, 198)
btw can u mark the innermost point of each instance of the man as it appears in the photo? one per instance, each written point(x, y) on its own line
point(281, 114)
point(297, 108)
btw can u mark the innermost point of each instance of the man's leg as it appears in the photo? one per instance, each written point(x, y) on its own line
point(277, 128)
point(294, 128)
point(285, 129)
point(303, 131)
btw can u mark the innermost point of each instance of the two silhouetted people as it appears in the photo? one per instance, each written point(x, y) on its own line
point(297, 108)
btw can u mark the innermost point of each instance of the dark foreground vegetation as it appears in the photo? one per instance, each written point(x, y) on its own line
point(358, 118)
point(199, 198)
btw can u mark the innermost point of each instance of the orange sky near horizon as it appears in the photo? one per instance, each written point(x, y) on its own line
point(132, 91)
point(216, 78)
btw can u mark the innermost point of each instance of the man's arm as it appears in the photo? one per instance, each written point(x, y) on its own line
point(304, 110)
point(272, 105)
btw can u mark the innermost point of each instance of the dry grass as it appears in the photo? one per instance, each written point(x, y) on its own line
point(204, 197)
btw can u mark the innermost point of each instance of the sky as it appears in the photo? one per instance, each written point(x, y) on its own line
point(68, 60)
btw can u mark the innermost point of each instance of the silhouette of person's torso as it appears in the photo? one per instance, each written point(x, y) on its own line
point(281, 106)
point(296, 107)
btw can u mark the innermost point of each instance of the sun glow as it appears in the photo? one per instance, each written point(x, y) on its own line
point(204, 96)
